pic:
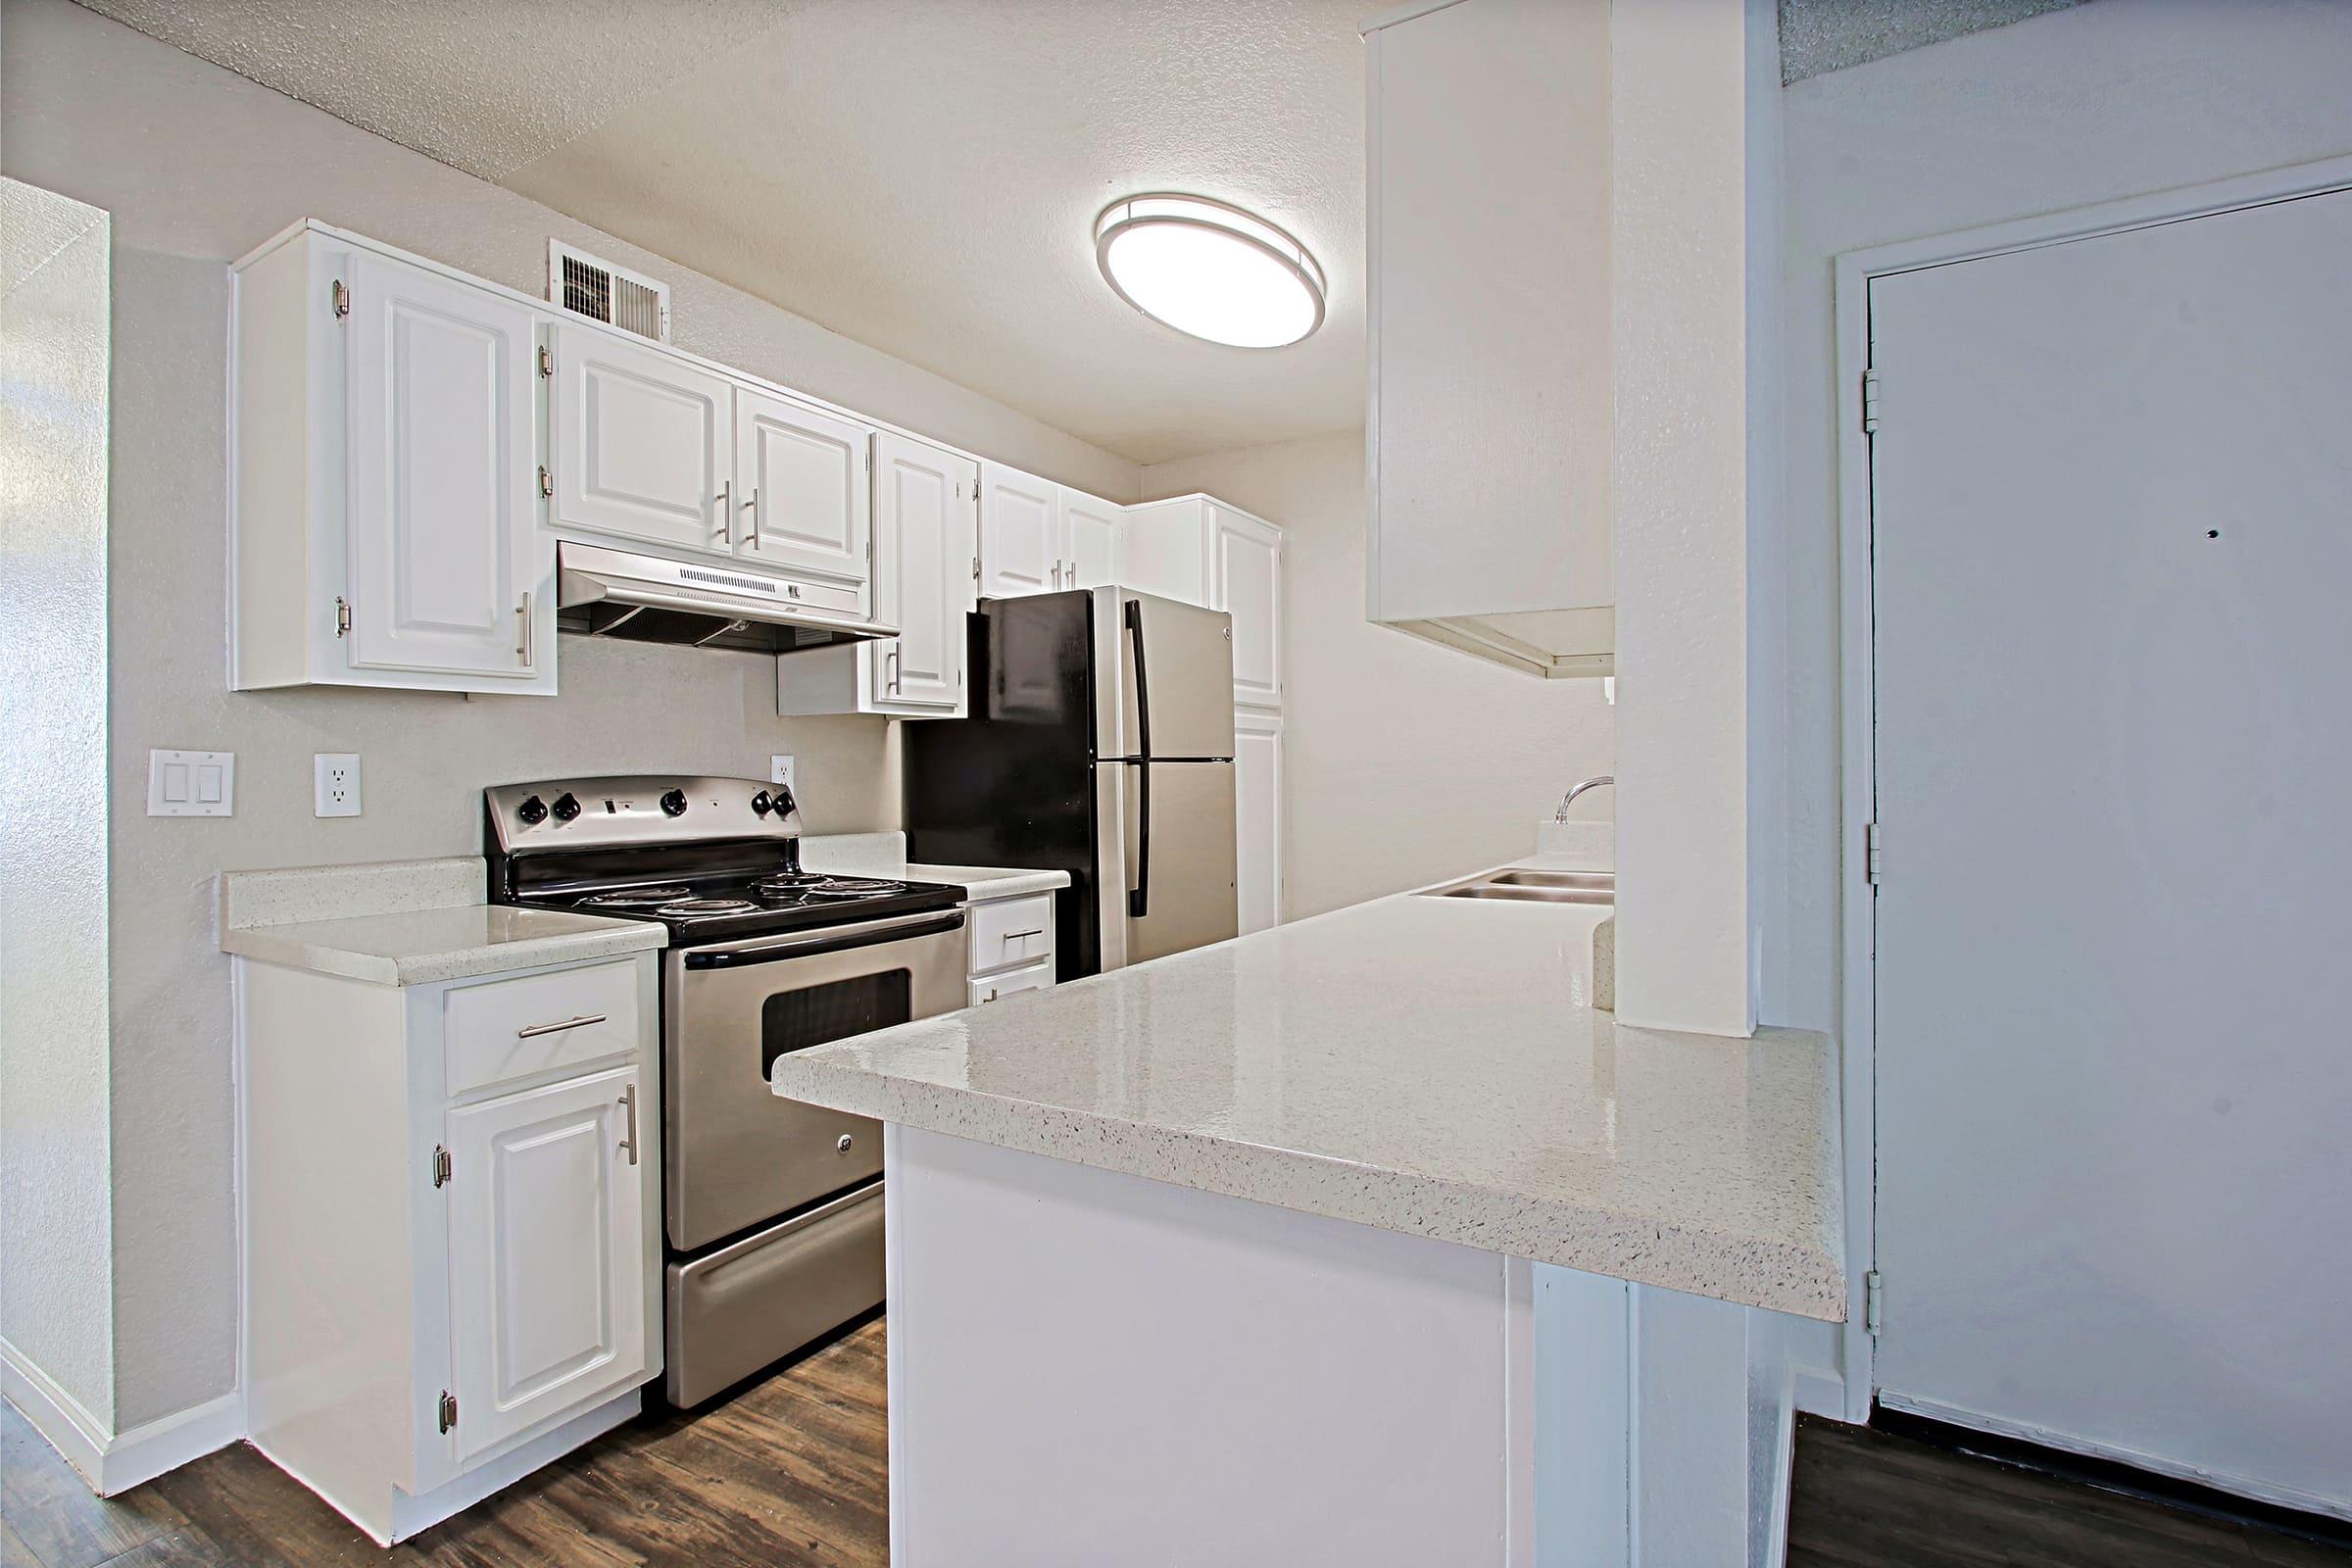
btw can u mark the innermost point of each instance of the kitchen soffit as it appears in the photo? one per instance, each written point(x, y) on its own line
point(920, 175)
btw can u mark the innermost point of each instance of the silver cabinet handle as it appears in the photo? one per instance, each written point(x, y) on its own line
point(533, 1031)
point(752, 507)
point(891, 663)
point(1016, 936)
point(1070, 577)
point(726, 513)
point(628, 1100)
point(1057, 574)
point(522, 643)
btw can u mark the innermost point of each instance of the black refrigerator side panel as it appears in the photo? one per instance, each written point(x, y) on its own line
point(1015, 784)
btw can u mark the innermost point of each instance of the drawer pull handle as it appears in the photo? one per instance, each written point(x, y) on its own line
point(628, 1100)
point(1016, 936)
point(581, 1022)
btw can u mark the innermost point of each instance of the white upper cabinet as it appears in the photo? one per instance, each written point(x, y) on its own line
point(1491, 419)
point(1040, 537)
point(804, 500)
point(1021, 533)
point(442, 509)
point(1246, 566)
point(1091, 529)
point(547, 1254)
point(926, 556)
point(642, 443)
point(385, 516)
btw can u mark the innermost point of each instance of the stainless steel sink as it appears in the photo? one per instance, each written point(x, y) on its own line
point(1522, 886)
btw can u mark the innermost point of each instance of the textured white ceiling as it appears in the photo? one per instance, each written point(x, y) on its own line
point(922, 175)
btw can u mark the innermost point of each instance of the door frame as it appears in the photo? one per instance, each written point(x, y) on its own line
point(1857, 747)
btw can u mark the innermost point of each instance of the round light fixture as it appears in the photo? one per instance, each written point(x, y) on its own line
point(1209, 270)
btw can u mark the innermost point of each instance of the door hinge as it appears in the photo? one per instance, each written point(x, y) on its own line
point(447, 1410)
point(342, 617)
point(1870, 853)
point(1873, 1297)
point(547, 361)
point(1869, 402)
point(342, 299)
point(546, 482)
point(440, 1165)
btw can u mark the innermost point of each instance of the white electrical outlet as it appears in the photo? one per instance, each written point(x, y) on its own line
point(335, 784)
point(779, 771)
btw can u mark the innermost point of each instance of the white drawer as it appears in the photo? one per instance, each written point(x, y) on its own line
point(1009, 932)
point(507, 1029)
point(1036, 977)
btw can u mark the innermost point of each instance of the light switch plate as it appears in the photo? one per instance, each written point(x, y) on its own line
point(335, 784)
point(779, 771)
point(191, 783)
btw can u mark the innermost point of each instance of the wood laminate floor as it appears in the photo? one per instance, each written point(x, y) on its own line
point(792, 1471)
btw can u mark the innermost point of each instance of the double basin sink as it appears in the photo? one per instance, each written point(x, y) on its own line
point(1522, 886)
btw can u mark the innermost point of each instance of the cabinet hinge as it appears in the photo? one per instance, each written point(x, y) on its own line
point(1870, 853)
point(448, 1410)
point(975, 568)
point(1873, 1302)
point(547, 361)
point(546, 482)
point(342, 299)
point(342, 617)
point(440, 1165)
point(1869, 402)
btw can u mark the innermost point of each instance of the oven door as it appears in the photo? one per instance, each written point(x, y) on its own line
point(737, 1156)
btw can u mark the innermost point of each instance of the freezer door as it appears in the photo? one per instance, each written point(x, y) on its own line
point(1164, 681)
point(1169, 825)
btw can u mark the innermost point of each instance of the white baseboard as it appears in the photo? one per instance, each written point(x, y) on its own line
point(2237, 1486)
point(114, 1462)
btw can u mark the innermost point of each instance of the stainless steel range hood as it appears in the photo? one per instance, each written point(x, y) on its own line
point(619, 593)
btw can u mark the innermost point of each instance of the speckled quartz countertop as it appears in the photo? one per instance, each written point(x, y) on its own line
point(406, 923)
point(1425, 1065)
point(885, 854)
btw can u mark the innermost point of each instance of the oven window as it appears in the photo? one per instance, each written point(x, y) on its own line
point(795, 1020)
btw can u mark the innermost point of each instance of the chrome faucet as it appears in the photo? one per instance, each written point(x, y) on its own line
point(1561, 815)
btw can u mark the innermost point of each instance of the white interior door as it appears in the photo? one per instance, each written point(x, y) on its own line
point(2112, 483)
point(1257, 819)
point(547, 1252)
point(1090, 539)
point(643, 443)
point(442, 525)
point(1246, 559)
point(804, 496)
point(925, 529)
point(1020, 550)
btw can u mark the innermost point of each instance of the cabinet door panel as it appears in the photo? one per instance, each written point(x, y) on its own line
point(925, 542)
point(1020, 546)
point(1246, 559)
point(643, 443)
point(1090, 540)
point(804, 501)
point(442, 523)
point(1257, 819)
point(548, 1256)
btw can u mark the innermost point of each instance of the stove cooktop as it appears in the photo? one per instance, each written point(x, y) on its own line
point(751, 903)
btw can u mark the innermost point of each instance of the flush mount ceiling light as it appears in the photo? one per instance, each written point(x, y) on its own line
point(1209, 270)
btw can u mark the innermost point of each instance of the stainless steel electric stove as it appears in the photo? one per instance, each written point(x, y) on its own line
point(772, 1209)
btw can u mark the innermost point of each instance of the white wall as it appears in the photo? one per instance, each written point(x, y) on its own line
point(196, 166)
point(1405, 761)
point(56, 1311)
point(2080, 106)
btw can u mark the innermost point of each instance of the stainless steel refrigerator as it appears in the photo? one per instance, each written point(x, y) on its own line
point(1101, 743)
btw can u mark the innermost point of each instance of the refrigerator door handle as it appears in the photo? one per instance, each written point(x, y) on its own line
point(1139, 897)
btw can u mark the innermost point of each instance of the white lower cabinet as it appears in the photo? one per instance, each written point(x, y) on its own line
point(926, 569)
point(451, 1231)
point(1011, 945)
point(1257, 819)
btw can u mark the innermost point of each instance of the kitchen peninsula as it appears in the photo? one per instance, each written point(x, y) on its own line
point(1363, 1239)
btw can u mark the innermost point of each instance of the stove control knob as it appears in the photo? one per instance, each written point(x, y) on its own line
point(782, 805)
point(673, 803)
point(760, 803)
point(532, 812)
point(567, 807)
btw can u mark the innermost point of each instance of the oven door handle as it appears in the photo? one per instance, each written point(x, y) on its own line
point(776, 949)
